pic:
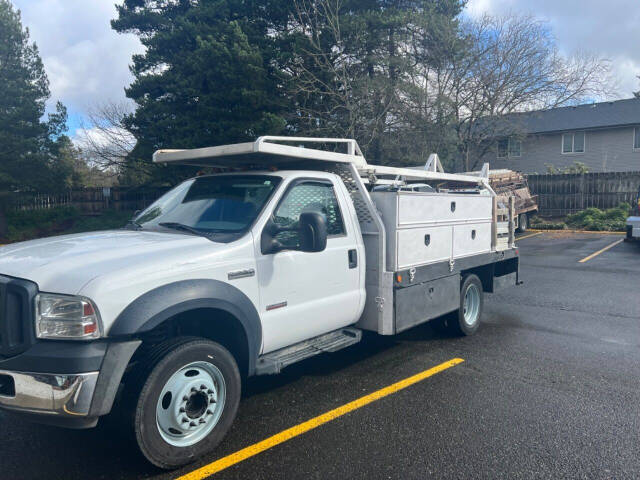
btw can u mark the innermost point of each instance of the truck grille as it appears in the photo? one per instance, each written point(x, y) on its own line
point(16, 314)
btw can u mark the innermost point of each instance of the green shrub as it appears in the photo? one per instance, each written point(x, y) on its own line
point(550, 226)
point(540, 224)
point(613, 219)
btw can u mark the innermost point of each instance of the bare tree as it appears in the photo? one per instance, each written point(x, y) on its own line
point(105, 140)
point(512, 65)
point(421, 88)
point(338, 89)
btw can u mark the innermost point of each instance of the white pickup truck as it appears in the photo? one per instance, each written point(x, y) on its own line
point(288, 253)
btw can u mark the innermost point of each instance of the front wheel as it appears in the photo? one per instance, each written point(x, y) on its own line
point(466, 320)
point(187, 403)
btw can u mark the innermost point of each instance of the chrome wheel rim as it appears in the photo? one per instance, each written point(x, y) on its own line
point(471, 307)
point(190, 404)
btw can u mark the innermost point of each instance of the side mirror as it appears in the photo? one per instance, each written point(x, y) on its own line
point(313, 232)
point(311, 228)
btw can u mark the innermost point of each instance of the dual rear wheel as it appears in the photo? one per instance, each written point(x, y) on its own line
point(466, 320)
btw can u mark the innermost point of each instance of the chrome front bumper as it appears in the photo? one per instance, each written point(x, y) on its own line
point(49, 394)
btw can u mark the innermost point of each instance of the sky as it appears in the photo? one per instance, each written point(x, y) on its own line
point(88, 63)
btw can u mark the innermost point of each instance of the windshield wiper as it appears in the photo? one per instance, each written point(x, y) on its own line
point(182, 226)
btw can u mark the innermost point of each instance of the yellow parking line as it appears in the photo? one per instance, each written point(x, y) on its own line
point(593, 232)
point(315, 422)
point(586, 259)
point(530, 235)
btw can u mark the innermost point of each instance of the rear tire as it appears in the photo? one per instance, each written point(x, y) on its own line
point(466, 320)
point(189, 391)
point(523, 223)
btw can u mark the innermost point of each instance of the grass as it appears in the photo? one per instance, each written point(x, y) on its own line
point(30, 224)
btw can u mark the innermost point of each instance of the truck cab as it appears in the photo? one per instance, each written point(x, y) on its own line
point(290, 253)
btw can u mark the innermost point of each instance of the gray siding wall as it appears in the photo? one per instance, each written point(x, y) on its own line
point(607, 150)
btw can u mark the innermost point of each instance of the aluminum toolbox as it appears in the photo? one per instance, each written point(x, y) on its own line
point(423, 228)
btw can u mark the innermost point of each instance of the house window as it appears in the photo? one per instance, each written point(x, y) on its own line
point(573, 142)
point(514, 147)
point(503, 148)
point(636, 138)
point(509, 147)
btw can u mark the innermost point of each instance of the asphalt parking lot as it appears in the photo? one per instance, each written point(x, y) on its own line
point(549, 388)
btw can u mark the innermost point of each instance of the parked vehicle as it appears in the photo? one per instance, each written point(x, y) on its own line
point(633, 222)
point(286, 255)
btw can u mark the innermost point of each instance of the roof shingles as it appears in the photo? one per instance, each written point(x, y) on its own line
point(580, 117)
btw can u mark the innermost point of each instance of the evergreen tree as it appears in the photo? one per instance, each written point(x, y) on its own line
point(24, 91)
point(28, 146)
point(207, 76)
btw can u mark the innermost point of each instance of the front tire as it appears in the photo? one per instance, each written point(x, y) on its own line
point(187, 402)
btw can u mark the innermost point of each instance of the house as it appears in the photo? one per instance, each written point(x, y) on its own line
point(603, 136)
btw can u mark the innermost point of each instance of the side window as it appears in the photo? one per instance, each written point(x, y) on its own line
point(308, 197)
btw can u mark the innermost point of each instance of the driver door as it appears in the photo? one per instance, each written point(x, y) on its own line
point(305, 294)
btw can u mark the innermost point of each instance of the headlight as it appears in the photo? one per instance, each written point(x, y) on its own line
point(66, 317)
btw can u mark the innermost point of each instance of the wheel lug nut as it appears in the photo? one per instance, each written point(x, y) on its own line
point(194, 389)
point(211, 400)
point(209, 391)
point(182, 410)
point(203, 387)
point(192, 424)
point(185, 398)
point(202, 420)
point(185, 420)
point(209, 412)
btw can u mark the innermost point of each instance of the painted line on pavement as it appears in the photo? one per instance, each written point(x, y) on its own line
point(277, 439)
point(611, 245)
point(528, 236)
point(593, 232)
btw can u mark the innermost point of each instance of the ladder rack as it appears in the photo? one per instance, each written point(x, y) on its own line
point(268, 151)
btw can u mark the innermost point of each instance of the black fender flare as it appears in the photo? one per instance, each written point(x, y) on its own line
point(155, 306)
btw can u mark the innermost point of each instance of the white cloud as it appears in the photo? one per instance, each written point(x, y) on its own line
point(610, 29)
point(86, 61)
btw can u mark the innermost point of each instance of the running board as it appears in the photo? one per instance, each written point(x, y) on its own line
point(274, 362)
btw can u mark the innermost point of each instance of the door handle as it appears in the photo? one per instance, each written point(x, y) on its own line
point(353, 258)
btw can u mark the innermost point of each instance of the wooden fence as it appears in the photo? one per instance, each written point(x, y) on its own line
point(90, 200)
point(557, 194)
point(564, 194)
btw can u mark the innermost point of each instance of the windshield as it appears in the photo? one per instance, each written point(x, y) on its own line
point(218, 204)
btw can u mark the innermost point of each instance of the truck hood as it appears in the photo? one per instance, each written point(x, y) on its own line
point(64, 264)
